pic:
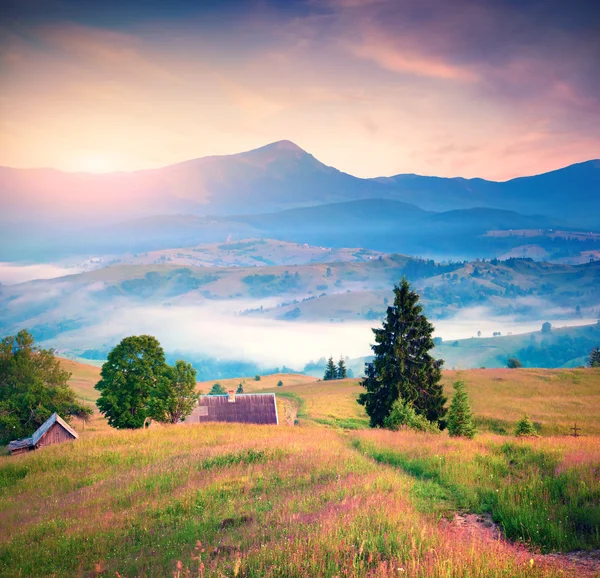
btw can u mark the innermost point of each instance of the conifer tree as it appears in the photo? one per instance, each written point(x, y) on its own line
point(594, 360)
point(330, 370)
point(403, 368)
point(342, 372)
point(217, 389)
point(460, 417)
point(525, 427)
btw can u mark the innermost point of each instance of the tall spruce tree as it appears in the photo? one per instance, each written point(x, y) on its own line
point(330, 370)
point(594, 360)
point(403, 368)
point(460, 417)
point(342, 371)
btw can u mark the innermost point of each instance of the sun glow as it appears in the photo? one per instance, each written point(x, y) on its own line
point(94, 163)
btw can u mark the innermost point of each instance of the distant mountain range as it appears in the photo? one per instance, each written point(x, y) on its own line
point(282, 176)
point(280, 191)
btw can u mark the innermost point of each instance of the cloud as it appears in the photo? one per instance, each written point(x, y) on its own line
point(11, 274)
point(373, 88)
point(407, 60)
point(199, 331)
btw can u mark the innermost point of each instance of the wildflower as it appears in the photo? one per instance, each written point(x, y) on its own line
point(531, 562)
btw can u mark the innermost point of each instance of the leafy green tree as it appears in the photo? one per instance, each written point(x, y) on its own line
point(460, 417)
point(546, 327)
point(33, 386)
point(342, 371)
point(330, 370)
point(403, 368)
point(134, 371)
point(280, 383)
point(217, 389)
point(525, 427)
point(240, 388)
point(257, 377)
point(173, 399)
point(513, 363)
point(594, 360)
point(403, 414)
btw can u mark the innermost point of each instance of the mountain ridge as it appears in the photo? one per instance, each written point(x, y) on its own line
point(276, 177)
point(285, 144)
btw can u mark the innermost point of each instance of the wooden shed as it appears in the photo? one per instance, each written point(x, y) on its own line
point(54, 430)
point(259, 408)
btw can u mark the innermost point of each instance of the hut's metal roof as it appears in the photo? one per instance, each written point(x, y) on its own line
point(33, 440)
point(259, 408)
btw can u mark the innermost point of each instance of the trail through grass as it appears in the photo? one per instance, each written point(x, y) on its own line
point(529, 487)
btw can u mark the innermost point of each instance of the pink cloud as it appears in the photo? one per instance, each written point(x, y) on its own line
point(408, 60)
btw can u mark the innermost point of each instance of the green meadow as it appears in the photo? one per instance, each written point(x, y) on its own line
point(325, 497)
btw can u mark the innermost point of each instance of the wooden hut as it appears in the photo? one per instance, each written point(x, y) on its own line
point(259, 408)
point(54, 430)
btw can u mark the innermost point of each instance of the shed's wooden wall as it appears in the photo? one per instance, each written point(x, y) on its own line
point(247, 408)
point(55, 435)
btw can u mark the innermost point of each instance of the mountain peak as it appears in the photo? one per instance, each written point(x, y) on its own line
point(282, 145)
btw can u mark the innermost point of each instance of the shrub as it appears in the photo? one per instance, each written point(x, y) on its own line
point(525, 427)
point(217, 389)
point(513, 363)
point(460, 417)
point(403, 414)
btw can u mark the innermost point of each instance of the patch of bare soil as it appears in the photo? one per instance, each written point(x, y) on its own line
point(582, 563)
point(587, 562)
point(290, 411)
point(479, 524)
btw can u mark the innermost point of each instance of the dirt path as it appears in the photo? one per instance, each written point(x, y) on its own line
point(582, 563)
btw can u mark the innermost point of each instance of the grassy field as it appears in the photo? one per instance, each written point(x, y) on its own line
point(251, 385)
point(555, 399)
point(83, 379)
point(328, 497)
point(229, 500)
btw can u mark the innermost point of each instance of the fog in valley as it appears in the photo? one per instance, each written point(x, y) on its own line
point(13, 273)
point(206, 320)
point(218, 331)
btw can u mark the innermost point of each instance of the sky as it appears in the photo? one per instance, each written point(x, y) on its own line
point(488, 88)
